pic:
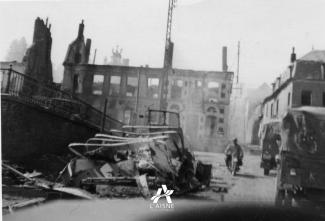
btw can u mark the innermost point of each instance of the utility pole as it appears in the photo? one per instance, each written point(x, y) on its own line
point(135, 121)
point(95, 56)
point(238, 55)
point(168, 42)
point(168, 57)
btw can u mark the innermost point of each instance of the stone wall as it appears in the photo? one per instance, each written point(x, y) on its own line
point(29, 131)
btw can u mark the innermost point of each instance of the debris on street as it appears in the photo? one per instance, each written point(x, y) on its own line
point(131, 162)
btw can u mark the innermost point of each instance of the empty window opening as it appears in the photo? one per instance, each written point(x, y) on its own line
point(213, 88)
point(179, 83)
point(212, 110)
point(127, 116)
point(211, 125)
point(266, 110)
point(306, 98)
point(176, 89)
point(153, 87)
point(98, 84)
point(132, 86)
point(174, 107)
point(115, 84)
point(76, 86)
point(213, 85)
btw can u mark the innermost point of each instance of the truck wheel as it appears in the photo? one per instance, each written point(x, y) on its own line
point(288, 198)
point(279, 197)
point(266, 171)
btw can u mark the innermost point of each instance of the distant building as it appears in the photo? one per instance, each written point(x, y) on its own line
point(201, 97)
point(245, 112)
point(301, 84)
point(116, 58)
point(253, 112)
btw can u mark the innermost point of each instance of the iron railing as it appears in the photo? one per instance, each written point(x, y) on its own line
point(50, 97)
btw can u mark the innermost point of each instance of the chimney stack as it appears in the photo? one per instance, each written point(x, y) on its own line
point(293, 55)
point(81, 29)
point(224, 59)
point(88, 45)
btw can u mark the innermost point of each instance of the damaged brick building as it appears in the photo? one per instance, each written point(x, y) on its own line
point(201, 97)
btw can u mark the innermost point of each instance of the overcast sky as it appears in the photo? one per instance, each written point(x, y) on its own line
point(267, 30)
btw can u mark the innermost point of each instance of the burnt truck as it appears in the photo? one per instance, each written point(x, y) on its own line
point(136, 160)
point(301, 173)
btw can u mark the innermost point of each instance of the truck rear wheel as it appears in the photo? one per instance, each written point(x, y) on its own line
point(288, 198)
point(279, 198)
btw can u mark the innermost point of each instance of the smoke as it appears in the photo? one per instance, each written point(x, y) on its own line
point(17, 50)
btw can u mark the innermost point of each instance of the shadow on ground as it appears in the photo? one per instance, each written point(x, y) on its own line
point(247, 175)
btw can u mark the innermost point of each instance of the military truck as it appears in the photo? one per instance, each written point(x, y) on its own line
point(301, 173)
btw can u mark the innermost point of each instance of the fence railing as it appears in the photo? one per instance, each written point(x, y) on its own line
point(50, 97)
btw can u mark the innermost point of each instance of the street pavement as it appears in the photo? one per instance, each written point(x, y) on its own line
point(248, 186)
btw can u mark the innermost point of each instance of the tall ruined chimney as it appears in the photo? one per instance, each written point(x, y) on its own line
point(293, 55)
point(88, 45)
point(224, 59)
point(38, 56)
point(81, 29)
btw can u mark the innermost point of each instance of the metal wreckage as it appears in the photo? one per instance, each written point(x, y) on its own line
point(136, 159)
point(133, 161)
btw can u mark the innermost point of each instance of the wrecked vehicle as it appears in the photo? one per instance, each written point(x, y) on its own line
point(136, 159)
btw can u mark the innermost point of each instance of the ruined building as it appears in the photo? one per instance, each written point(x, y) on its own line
point(38, 57)
point(201, 97)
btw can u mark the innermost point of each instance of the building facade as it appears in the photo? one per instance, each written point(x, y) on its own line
point(301, 84)
point(201, 97)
